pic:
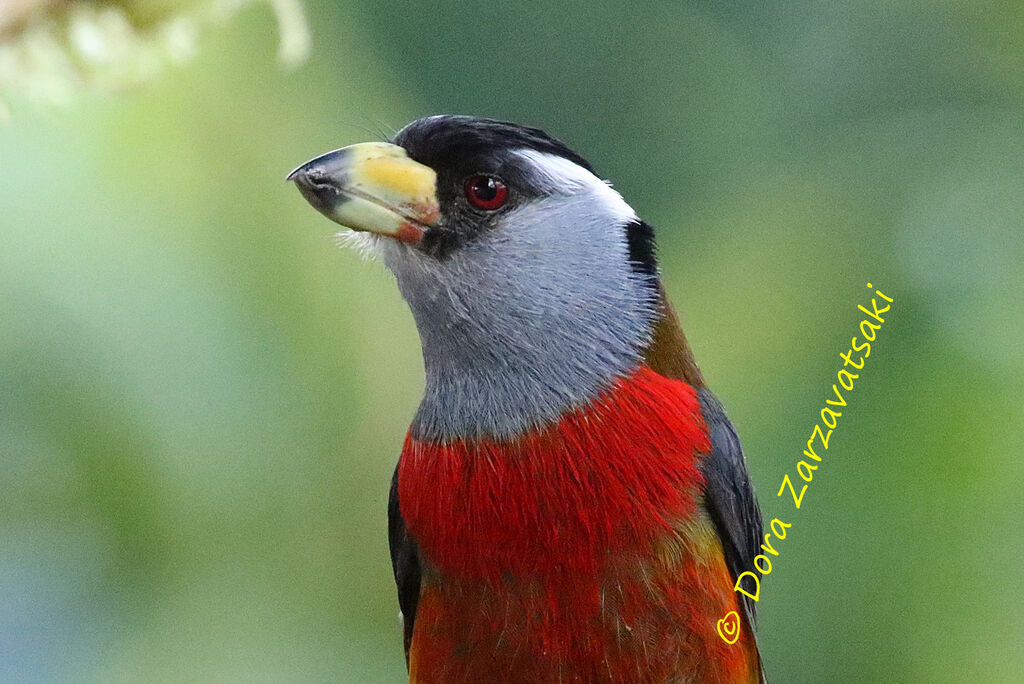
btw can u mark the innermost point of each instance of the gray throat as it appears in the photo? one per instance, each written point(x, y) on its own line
point(521, 325)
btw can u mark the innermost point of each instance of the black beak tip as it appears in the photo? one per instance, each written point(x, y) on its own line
point(320, 194)
point(321, 167)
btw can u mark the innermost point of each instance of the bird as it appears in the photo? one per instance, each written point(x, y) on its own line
point(571, 502)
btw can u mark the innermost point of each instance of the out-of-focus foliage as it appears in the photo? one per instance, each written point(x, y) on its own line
point(51, 51)
point(202, 399)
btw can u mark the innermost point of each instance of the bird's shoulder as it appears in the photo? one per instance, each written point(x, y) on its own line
point(728, 498)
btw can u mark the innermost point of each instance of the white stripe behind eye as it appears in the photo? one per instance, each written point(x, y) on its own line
point(565, 177)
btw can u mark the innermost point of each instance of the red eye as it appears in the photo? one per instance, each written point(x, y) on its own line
point(486, 192)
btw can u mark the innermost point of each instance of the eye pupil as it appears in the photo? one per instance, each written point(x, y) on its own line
point(486, 192)
point(485, 189)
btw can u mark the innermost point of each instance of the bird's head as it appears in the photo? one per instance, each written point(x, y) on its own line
point(533, 284)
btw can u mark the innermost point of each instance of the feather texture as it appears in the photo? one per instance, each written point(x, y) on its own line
point(575, 552)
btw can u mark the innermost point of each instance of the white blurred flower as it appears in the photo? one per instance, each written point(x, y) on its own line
point(51, 51)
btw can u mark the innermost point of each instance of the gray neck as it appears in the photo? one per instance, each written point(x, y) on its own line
point(525, 323)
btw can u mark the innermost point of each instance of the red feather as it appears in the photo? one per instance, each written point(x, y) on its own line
point(574, 549)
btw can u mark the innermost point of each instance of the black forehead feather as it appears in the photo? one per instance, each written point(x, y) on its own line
point(445, 140)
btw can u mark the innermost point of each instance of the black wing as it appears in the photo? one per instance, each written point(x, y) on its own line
point(728, 495)
point(405, 561)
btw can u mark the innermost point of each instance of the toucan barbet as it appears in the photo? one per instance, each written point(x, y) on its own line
point(571, 503)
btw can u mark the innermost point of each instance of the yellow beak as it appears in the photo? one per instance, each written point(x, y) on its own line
point(373, 187)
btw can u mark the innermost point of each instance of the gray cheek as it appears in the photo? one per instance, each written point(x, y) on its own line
point(527, 321)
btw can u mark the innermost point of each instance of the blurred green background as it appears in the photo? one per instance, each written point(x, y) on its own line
point(202, 399)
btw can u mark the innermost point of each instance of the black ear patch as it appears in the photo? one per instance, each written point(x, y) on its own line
point(642, 248)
